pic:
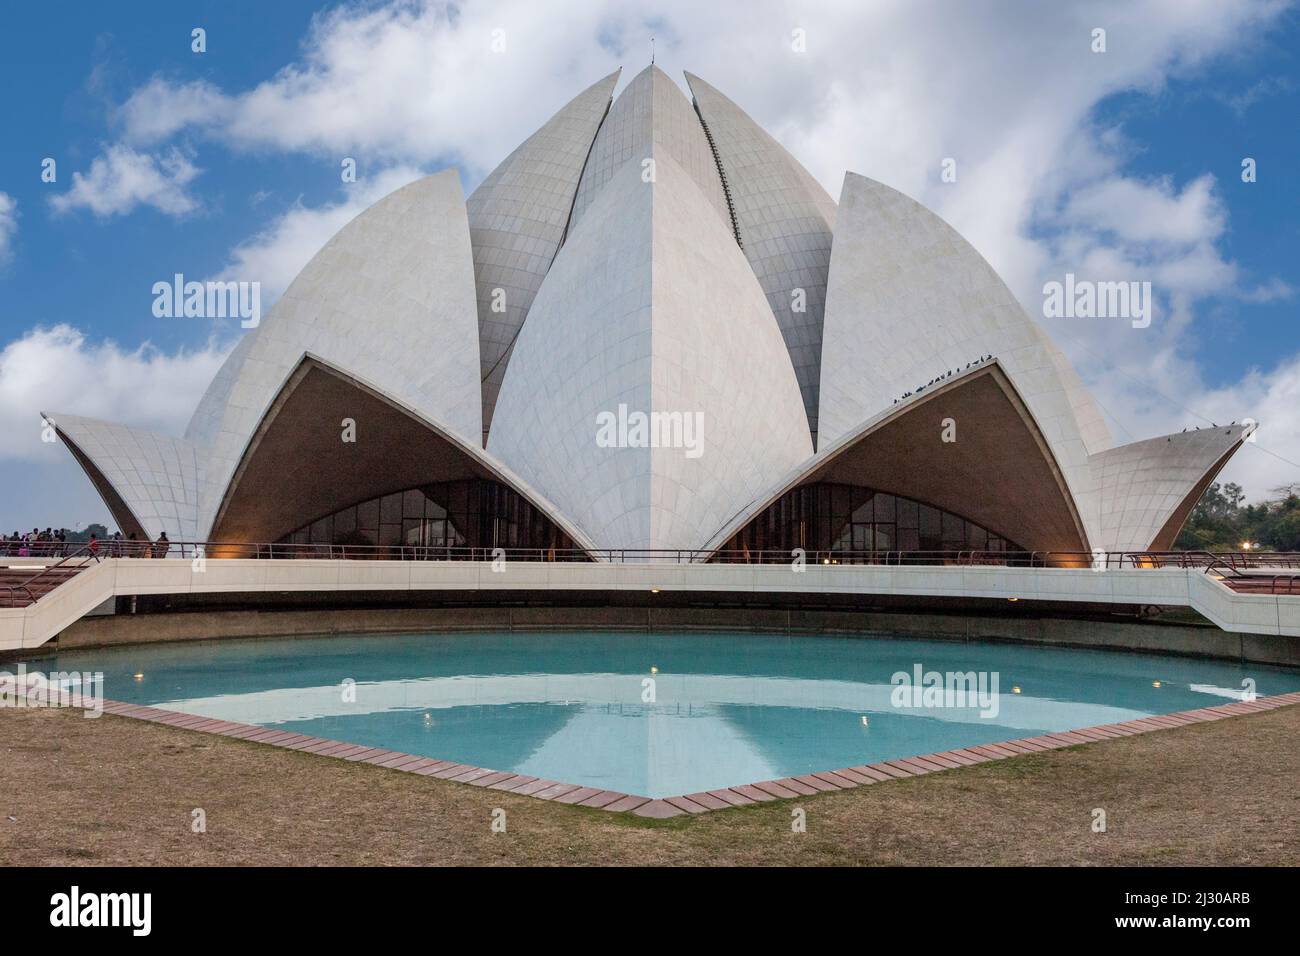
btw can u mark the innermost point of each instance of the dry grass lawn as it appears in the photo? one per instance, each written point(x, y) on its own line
point(120, 791)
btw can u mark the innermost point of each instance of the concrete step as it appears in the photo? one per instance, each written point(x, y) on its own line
point(20, 587)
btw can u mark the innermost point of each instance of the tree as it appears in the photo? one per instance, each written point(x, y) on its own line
point(1219, 522)
point(95, 528)
point(1215, 524)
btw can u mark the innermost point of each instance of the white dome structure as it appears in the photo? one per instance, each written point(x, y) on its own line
point(650, 328)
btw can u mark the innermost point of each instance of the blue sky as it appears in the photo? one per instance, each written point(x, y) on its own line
point(1208, 123)
point(1124, 164)
point(95, 273)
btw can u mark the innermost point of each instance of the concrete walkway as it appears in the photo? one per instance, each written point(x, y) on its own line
point(1264, 614)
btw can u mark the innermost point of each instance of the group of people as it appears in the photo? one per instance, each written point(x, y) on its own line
point(57, 543)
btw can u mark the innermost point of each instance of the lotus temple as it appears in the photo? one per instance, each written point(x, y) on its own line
point(571, 477)
point(863, 380)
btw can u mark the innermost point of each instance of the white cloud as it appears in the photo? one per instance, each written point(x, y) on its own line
point(888, 89)
point(879, 91)
point(158, 109)
point(8, 226)
point(276, 254)
point(404, 82)
point(1240, 103)
point(1156, 212)
point(59, 370)
point(121, 179)
point(1272, 399)
point(1168, 392)
point(1274, 290)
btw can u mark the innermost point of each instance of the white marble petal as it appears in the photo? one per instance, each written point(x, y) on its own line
point(517, 218)
point(155, 476)
point(651, 305)
point(651, 114)
point(908, 300)
point(620, 291)
point(1137, 488)
point(786, 221)
point(391, 299)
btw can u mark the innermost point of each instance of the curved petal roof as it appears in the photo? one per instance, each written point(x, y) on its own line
point(396, 448)
point(901, 451)
point(785, 221)
point(1143, 492)
point(205, 423)
point(629, 295)
point(149, 481)
point(391, 298)
point(651, 115)
point(517, 218)
point(630, 316)
point(909, 301)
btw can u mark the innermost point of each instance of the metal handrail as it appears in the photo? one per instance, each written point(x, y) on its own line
point(1224, 563)
point(1235, 563)
point(1274, 580)
point(1205, 560)
point(1227, 566)
point(83, 551)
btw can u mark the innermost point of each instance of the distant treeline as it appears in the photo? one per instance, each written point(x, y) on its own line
point(1220, 522)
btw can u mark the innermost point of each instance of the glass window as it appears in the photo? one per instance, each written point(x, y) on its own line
point(368, 517)
point(413, 504)
point(322, 532)
point(954, 532)
point(841, 503)
point(488, 514)
point(931, 529)
point(813, 517)
point(861, 537)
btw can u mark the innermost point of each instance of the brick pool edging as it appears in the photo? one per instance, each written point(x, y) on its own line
point(846, 778)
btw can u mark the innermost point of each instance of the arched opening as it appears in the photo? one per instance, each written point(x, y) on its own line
point(844, 523)
point(333, 458)
point(440, 517)
point(965, 457)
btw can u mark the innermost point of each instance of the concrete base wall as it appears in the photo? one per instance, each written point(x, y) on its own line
point(334, 595)
point(1148, 637)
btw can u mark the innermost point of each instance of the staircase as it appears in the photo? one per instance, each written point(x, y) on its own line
point(20, 587)
point(1266, 573)
point(1261, 582)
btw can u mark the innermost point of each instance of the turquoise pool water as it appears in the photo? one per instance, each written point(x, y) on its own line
point(718, 709)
